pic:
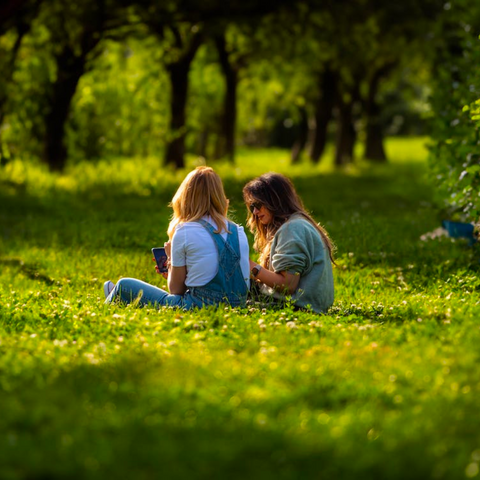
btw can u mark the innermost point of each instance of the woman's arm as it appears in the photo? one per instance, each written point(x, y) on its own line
point(176, 280)
point(281, 281)
point(176, 275)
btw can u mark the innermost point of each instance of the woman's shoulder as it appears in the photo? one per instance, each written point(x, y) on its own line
point(297, 229)
point(185, 226)
point(197, 225)
point(187, 230)
point(296, 222)
point(193, 225)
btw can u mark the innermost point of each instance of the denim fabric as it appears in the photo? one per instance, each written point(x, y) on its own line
point(228, 285)
point(130, 290)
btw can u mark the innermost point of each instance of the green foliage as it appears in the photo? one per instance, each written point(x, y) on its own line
point(23, 130)
point(384, 386)
point(207, 90)
point(61, 34)
point(120, 107)
point(455, 152)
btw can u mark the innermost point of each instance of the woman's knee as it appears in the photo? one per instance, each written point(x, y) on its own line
point(128, 289)
point(126, 283)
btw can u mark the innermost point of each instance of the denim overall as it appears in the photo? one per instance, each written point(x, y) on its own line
point(228, 286)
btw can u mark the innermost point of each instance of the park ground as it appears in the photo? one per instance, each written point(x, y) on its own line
point(385, 385)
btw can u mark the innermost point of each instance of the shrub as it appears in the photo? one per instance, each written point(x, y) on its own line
point(455, 152)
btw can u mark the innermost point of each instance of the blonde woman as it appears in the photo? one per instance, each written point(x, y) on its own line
point(207, 254)
point(295, 252)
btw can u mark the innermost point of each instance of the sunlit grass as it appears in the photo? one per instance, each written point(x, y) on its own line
point(143, 175)
point(384, 386)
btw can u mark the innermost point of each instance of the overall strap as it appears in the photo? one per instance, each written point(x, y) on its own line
point(233, 236)
point(232, 243)
point(209, 227)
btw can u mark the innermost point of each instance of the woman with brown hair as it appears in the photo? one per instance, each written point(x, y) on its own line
point(296, 254)
point(207, 254)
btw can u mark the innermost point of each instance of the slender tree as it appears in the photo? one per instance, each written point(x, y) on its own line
point(178, 71)
point(230, 71)
point(16, 17)
point(374, 148)
point(346, 131)
point(302, 135)
point(75, 31)
point(180, 35)
point(323, 112)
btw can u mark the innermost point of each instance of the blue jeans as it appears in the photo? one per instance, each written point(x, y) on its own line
point(130, 290)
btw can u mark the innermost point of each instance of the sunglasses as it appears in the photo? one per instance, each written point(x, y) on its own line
point(255, 205)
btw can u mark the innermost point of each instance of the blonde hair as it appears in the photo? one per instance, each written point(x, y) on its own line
point(277, 193)
point(200, 194)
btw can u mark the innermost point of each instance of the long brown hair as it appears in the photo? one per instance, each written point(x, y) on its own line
point(277, 193)
point(201, 193)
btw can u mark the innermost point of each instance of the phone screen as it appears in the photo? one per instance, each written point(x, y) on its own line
point(160, 258)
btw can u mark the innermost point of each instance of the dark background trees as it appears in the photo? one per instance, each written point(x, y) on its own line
point(125, 77)
point(74, 31)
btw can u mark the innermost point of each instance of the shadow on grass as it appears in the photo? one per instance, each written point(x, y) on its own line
point(30, 270)
point(133, 419)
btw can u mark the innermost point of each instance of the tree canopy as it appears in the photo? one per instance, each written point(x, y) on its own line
point(134, 77)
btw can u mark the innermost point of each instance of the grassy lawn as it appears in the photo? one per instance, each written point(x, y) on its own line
point(386, 385)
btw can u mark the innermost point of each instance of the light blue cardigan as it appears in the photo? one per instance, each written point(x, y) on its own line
point(298, 248)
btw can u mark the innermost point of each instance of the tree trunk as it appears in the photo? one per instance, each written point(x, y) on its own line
point(71, 63)
point(218, 150)
point(229, 119)
point(323, 114)
point(178, 75)
point(302, 136)
point(374, 149)
point(175, 151)
point(203, 142)
point(230, 114)
point(22, 29)
point(3, 98)
point(69, 71)
point(8, 9)
point(9, 67)
point(346, 133)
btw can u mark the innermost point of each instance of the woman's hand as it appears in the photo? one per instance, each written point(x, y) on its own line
point(163, 274)
point(168, 251)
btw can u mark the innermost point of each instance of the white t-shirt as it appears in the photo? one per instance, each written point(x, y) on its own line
point(193, 247)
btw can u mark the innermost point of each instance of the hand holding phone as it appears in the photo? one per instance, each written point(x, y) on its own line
point(161, 259)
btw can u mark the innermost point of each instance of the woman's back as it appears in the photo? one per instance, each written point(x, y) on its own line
point(194, 248)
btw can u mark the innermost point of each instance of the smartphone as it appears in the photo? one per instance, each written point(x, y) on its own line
point(160, 258)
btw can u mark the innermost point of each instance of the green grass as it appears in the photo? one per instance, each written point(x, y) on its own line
point(384, 386)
